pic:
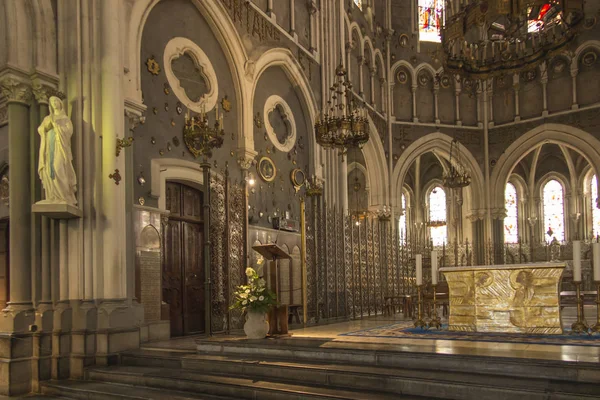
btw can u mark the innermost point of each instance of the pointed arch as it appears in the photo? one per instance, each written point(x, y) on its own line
point(377, 169)
point(439, 143)
point(568, 136)
point(402, 64)
point(284, 59)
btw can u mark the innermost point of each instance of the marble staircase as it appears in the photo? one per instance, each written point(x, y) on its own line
point(297, 368)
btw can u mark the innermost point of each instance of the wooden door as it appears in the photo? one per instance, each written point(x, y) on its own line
point(183, 269)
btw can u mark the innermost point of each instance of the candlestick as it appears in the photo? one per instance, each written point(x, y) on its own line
point(596, 328)
point(419, 268)
point(577, 261)
point(434, 268)
point(596, 257)
point(436, 321)
point(579, 326)
point(419, 323)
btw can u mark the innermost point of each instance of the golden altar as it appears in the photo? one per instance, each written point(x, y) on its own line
point(508, 298)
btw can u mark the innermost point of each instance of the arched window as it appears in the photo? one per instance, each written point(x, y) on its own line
point(402, 221)
point(430, 20)
point(554, 213)
point(595, 209)
point(437, 216)
point(511, 221)
point(359, 4)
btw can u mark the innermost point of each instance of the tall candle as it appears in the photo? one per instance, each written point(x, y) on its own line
point(577, 261)
point(419, 262)
point(434, 267)
point(596, 255)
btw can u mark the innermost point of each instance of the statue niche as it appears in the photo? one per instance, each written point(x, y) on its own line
point(55, 167)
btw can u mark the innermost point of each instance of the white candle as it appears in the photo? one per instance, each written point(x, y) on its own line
point(434, 267)
point(577, 261)
point(596, 255)
point(419, 262)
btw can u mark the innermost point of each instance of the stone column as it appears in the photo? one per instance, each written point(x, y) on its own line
point(544, 81)
point(372, 72)
point(18, 96)
point(414, 102)
point(293, 19)
point(574, 73)
point(457, 101)
point(436, 105)
point(361, 87)
point(312, 8)
point(516, 88)
point(382, 88)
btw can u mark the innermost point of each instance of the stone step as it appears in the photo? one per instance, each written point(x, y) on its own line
point(232, 386)
point(441, 384)
point(89, 390)
point(394, 356)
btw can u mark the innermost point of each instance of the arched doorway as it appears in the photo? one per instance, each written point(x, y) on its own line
point(183, 267)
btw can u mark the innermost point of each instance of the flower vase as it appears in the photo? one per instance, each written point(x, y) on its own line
point(256, 326)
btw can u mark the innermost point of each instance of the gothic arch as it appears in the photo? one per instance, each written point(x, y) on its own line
point(225, 33)
point(439, 143)
point(590, 44)
point(402, 64)
point(284, 59)
point(377, 170)
point(570, 137)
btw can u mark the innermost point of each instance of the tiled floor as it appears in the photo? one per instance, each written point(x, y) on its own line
point(331, 334)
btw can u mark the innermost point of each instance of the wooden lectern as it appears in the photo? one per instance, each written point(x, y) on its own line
point(278, 316)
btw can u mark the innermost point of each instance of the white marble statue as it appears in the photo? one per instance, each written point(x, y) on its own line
point(56, 160)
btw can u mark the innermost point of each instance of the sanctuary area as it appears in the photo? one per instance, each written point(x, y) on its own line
point(300, 199)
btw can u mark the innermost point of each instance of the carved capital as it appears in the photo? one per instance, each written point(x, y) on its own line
point(15, 91)
point(42, 93)
point(246, 158)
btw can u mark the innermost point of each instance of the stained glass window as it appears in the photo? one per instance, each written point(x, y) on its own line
point(430, 20)
point(402, 222)
point(437, 216)
point(358, 4)
point(511, 221)
point(554, 213)
point(595, 209)
point(543, 15)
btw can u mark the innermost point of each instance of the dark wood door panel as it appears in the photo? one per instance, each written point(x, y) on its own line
point(193, 295)
point(172, 276)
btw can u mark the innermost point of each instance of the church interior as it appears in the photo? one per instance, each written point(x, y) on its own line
point(300, 199)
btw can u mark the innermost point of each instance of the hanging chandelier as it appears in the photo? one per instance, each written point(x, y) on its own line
point(344, 124)
point(457, 175)
point(485, 38)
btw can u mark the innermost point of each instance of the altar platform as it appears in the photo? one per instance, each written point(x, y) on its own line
point(325, 362)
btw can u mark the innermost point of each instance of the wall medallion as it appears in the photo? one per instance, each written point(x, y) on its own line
point(530, 75)
point(266, 169)
point(424, 79)
point(179, 108)
point(142, 201)
point(402, 77)
point(116, 176)
point(153, 66)
point(298, 178)
point(559, 66)
point(589, 22)
point(403, 40)
point(445, 81)
point(589, 58)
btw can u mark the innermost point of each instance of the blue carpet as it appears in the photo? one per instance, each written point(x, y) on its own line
point(406, 330)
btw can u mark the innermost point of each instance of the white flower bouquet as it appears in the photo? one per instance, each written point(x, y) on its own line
point(254, 296)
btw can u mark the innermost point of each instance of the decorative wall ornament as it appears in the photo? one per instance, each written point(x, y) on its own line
point(3, 114)
point(179, 108)
point(258, 120)
point(116, 176)
point(5, 190)
point(123, 143)
point(166, 106)
point(55, 167)
point(15, 90)
point(142, 201)
point(153, 66)
point(152, 140)
point(559, 66)
point(403, 40)
point(155, 110)
point(166, 89)
point(298, 178)
point(402, 77)
point(176, 48)
point(424, 78)
point(590, 22)
point(225, 104)
point(445, 81)
point(276, 103)
point(176, 141)
point(141, 180)
point(529, 75)
point(589, 58)
point(266, 169)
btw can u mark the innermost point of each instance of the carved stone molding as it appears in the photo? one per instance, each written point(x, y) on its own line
point(135, 119)
point(3, 114)
point(246, 158)
point(176, 48)
point(42, 93)
point(15, 91)
point(277, 103)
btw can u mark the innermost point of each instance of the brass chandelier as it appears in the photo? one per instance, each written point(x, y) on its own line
point(484, 38)
point(457, 175)
point(344, 124)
